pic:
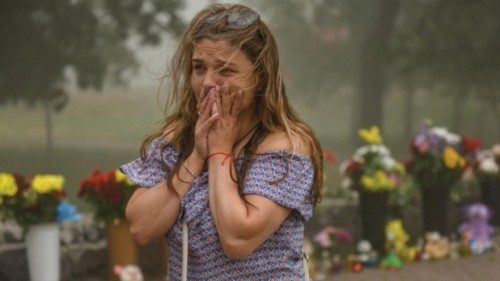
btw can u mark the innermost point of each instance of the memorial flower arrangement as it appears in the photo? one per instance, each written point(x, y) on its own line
point(36, 200)
point(371, 167)
point(11, 190)
point(107, 193)
point(439, 157)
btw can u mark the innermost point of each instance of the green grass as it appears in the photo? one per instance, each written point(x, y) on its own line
point(95, 130)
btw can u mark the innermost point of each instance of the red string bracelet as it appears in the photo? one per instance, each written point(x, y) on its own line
point(228, 156)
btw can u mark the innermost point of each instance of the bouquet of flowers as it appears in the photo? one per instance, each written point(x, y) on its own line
point(12, 187)
point(37, 200)
point(439, 157)
point(371, 168)
point(107, 193)
point(439, 160)
point(487, 166)
point(330, 246)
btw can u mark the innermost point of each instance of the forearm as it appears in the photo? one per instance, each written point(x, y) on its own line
point(229, 210)
point(152, 212)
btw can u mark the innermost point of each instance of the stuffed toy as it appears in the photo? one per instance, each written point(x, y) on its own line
point(397, 239)
point(366, 255)
point(128, 272)
point(391, 263)
point(476, 231)
point(436, 246)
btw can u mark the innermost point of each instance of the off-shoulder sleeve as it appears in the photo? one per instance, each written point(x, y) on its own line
point(283, 178)
point(154, 167)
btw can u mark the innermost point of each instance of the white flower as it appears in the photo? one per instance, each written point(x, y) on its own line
point(382, 149)
point(346, 183)
point(343, 167)
point(362, 151)
point(496, 149)
point(388, 163)
point(489, 166)
point(443, 133)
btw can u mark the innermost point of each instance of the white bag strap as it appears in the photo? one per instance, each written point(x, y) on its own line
point(305, 258)
point(184, 251)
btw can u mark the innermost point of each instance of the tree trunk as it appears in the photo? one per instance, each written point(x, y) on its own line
point(374, 57)
point(408, 115)
point(48, 128)
point(494, 106)
point(458, 105)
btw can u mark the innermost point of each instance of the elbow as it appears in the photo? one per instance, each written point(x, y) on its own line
point(236, 249)
point(140, 236)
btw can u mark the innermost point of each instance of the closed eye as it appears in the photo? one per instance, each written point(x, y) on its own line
point(226, 71)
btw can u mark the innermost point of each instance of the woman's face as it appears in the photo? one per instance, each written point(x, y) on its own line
point(218, 63)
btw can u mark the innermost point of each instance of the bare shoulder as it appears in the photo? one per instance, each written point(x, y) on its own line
point(279, 140)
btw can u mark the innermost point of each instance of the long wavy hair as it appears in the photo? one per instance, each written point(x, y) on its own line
point(242, 27)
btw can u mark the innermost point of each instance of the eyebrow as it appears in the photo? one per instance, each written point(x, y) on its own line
point(217, 61)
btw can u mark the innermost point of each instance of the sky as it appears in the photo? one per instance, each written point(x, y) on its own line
point(153, 60)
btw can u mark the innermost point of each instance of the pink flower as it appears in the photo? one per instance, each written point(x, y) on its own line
point(323, 238)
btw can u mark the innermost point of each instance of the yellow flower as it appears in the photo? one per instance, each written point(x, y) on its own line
point(377, 181)
point(371, 136)
point(452, 159)
point(47, 183)
point(121, 177)
point(8, 184)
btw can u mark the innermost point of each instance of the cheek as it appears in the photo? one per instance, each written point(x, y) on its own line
point(249, 97)
point(196, 85)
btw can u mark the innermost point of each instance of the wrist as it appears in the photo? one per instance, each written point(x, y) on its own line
point(195, 163)
point(220, 149)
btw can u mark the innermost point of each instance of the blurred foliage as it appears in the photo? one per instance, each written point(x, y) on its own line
point(439, 46)
point(42, 39)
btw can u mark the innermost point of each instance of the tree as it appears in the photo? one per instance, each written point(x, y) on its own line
point(41, 39)
point(453, 44)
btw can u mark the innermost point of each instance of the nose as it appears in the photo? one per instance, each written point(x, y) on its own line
point(210, 80)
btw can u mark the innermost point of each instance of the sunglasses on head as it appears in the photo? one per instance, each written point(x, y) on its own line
point(235, 19)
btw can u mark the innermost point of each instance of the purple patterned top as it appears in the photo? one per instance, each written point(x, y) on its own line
point(279, 257)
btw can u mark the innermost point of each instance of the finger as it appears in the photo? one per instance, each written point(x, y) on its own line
point(237, 103)
point(202, 107)
point(218, 104)
point(208, 123)
point(226, 100)
point(201, 98)
point(215, 107)
point(203, 92)
point(205, 114)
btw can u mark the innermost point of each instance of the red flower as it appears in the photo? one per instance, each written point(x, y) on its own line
point(59, 194)
point(470, 145)
point(329, 156)
point(353, 167)
point(21, 183)
point(103, 185)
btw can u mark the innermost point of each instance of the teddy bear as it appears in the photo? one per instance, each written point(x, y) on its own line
point(436, 246)
point(476, 231)
point(128, 272)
